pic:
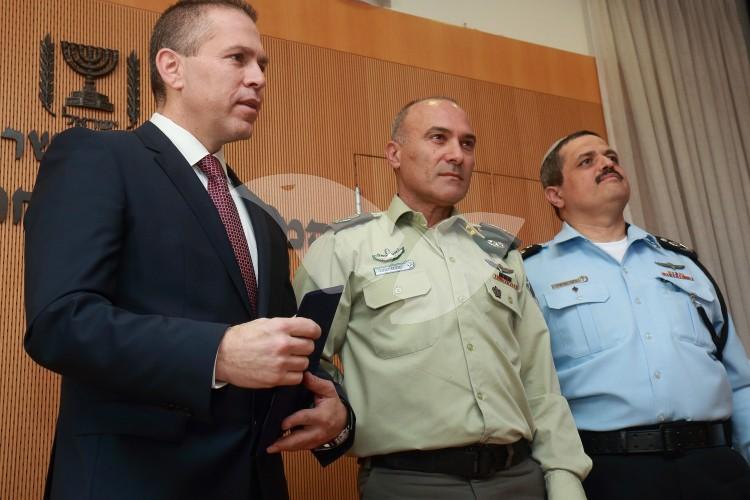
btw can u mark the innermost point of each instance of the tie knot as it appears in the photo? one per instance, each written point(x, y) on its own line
point(211, 166)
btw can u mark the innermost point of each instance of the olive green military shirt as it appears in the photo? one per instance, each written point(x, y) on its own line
point(442, 343)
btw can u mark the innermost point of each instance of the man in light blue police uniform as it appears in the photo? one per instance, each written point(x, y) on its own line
point(647, 356)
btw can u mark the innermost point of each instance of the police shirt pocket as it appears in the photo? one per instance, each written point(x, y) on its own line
point(397, 302)
point(574, 330)
point(684, 298)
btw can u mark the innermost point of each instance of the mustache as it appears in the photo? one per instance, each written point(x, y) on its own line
point(607, 171)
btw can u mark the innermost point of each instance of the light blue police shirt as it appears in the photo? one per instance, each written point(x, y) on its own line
point(628, 343)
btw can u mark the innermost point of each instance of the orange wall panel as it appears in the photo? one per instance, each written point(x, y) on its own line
point(355, 27)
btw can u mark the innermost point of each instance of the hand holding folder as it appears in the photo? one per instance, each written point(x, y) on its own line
point(319, 306)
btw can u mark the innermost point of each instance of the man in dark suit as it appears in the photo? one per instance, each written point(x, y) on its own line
point(149, 284)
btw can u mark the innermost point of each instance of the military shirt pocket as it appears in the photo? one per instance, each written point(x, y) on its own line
point(576, 329)
point(397, 302)
point(684, 298)
point(393, 288)
point(503, 294)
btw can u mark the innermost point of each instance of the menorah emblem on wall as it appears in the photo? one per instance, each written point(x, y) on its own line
point(91, 62)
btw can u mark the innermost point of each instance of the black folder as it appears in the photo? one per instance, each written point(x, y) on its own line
point(319, 306)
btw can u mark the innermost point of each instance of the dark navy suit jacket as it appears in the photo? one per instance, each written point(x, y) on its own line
point(130, 285)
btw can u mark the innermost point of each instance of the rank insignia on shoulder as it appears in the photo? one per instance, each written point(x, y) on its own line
point(352, 221)
point(386, 255)
point(530, 251)
point(471, 229)
point(498, 293)
point(674, 267)
point(677, 247)
point(492, 239)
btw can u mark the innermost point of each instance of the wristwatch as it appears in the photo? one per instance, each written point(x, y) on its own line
point(341, 438)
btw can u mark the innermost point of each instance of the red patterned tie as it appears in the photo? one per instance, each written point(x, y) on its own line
point(219, 193)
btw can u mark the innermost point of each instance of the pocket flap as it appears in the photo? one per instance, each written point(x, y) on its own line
point(566, 297)
point(133, 420)
point(395, 287)
point(690, 287)
point(504, 294)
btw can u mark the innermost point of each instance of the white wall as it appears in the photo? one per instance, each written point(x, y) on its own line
point(554, 23)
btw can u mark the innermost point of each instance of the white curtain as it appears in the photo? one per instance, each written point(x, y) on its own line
point(675, 79)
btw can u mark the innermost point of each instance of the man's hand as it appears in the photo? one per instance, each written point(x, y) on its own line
point(266, 352)
point(315, 426)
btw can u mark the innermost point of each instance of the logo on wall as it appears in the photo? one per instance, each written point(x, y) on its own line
point(91, 63)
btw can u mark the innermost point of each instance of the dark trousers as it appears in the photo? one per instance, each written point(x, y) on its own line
point(703, 474)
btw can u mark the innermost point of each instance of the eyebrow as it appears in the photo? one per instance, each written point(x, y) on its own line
point(444, 130)
point(263, 58)
point(592, 152)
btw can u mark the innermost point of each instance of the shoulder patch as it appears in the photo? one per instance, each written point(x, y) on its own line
point(677, 247)
point(352, 221)
point(530, 251)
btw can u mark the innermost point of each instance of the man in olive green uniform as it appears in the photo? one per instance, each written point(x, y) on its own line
point(446, 354)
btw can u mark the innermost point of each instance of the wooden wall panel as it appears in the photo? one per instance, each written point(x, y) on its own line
point(354, 27)
point(324, 125)
point(376, 181)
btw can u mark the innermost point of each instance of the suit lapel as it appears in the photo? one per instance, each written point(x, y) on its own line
point(259, 220)
point(168, 157)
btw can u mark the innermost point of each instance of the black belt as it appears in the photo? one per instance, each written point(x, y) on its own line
point(470, 462)
point(668, 438)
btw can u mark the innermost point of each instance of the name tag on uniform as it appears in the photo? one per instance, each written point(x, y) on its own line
point(581, 279)
point(394, 268)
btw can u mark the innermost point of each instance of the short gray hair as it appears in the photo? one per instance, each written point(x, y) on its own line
point(398, 121)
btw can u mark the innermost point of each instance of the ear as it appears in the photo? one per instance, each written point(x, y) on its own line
point(393, 154)
point(170, 66)
point(552, 193)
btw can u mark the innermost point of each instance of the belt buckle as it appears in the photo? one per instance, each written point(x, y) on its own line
point(484, 462)
point(509, 459)
point(670, 438)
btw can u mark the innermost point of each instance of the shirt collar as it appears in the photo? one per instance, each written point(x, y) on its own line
point(634, 233)
point(185, 142)
point(398, 209)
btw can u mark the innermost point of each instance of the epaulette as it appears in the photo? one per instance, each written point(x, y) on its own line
point(530, 251)
point(677, 247)
point(492, 239)
point(352, 221)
